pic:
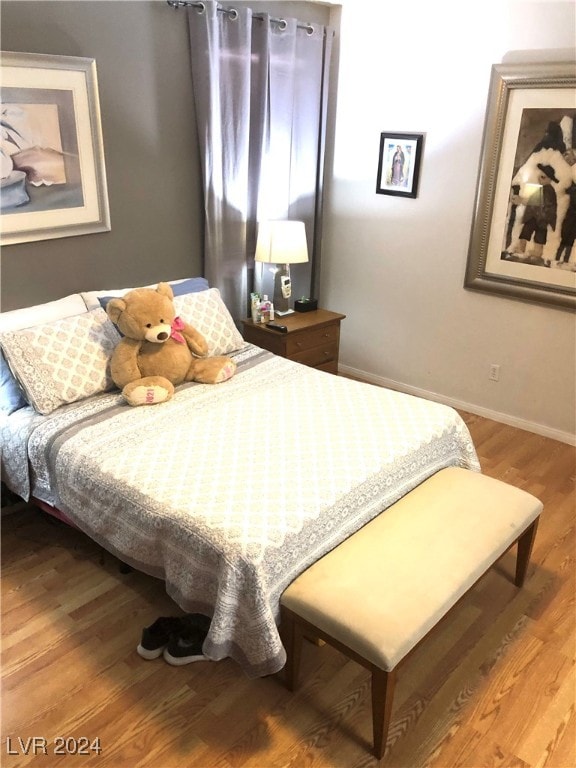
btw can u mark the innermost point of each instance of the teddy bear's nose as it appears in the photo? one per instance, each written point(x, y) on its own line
point(162, 336)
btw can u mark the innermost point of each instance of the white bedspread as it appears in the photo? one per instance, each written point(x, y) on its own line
point(228, 492)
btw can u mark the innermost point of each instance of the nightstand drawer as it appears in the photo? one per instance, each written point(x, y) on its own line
point(326, 353)
point(312, 338)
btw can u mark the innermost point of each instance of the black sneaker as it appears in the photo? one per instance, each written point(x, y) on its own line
point(197, 621)
point(186, 647)
point(155, 637)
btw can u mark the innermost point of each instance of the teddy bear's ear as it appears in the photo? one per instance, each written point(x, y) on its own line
point(165, 289)
point(114, 309)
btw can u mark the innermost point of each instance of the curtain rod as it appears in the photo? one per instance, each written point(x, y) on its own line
point(233, 13)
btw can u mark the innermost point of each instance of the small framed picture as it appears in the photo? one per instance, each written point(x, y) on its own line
point(399, 164)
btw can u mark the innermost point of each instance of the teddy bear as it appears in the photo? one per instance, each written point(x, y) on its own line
point(158, 350)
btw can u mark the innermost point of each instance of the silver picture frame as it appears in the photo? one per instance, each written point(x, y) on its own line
point(517, 250)
point(53, 181)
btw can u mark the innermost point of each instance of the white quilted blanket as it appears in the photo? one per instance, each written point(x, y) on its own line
point(228, 492)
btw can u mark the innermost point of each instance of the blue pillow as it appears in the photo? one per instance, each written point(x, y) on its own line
point(11, 396)
point(191, 285)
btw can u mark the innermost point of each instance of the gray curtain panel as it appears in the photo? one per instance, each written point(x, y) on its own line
point(260, 90)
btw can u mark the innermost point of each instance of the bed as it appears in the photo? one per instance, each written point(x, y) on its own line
point(226, 492)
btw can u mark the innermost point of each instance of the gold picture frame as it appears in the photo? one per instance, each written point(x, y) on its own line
point(525, 200)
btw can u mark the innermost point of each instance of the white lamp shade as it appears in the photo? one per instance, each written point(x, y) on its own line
point(281, 242)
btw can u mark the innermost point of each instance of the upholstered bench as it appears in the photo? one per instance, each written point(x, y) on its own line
point(379, 593)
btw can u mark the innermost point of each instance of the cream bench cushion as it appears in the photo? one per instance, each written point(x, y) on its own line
point(383, 589)
point(380, 592)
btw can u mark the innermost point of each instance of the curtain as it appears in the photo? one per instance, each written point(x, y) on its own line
point(260, 91)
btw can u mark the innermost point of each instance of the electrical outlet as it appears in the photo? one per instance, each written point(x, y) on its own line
point(494, 374)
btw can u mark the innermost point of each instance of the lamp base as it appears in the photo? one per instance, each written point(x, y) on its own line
point(282, 313)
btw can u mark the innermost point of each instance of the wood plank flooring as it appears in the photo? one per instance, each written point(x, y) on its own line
point(493, 687)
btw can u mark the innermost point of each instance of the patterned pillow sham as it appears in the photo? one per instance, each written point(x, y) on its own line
point(208, 314)
point(63, 361)
point(11, 395)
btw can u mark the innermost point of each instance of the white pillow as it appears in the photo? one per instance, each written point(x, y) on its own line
point(63, 361)
point(206, 312)
point(11, 396)
point(42, 313)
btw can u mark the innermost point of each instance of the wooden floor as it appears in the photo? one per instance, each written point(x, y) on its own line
point(493, 687)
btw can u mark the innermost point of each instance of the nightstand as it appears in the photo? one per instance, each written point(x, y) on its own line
point(313, 338)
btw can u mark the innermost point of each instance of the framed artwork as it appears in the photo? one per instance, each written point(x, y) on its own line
point(53, 178)
point(399, 164)
point(524, 224)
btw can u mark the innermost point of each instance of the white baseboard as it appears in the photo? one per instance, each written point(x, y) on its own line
point(503, 418)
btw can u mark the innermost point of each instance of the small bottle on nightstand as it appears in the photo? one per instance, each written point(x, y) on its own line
point(266, 310)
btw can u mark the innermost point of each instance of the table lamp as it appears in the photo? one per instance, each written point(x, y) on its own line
point(282, 243)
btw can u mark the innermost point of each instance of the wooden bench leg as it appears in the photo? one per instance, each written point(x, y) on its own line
point(525, 544)
point(292, 636)
point(383, 684)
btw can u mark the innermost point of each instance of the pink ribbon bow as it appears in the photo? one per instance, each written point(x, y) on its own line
point(175, 328)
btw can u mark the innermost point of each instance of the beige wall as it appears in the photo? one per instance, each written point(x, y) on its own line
point(396, 266)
